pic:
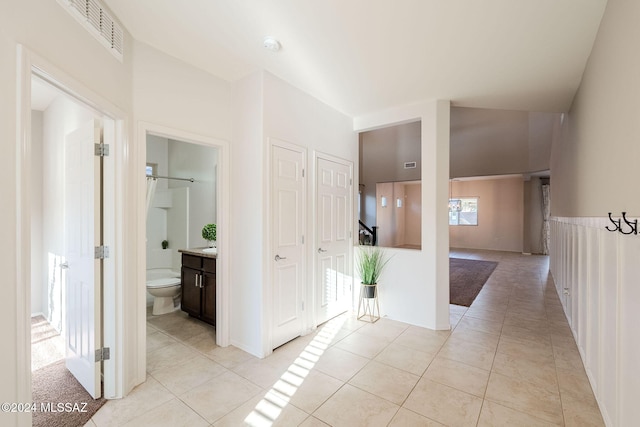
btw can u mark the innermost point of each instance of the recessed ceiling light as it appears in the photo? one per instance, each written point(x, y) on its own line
point(271, 44)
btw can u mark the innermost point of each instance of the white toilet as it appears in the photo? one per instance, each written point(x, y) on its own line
point(164, 291)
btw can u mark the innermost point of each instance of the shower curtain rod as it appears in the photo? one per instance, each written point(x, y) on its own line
point(170, 177)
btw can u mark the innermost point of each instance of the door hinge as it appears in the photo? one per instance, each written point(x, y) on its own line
point(303, 173)
point(101, 252)
point(103, 354)
point(302, 243)
point(302, 305)
point(102, 150)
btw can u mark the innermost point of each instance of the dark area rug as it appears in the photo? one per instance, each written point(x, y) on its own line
point(466, 279)
point(68, 402)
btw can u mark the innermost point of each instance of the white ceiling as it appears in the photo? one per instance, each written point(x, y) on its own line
point(42, 94)
point(361, 56)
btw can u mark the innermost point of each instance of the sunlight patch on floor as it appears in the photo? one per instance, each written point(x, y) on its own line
point(272, 404)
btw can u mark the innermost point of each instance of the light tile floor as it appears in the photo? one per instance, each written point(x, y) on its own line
point(510, 360)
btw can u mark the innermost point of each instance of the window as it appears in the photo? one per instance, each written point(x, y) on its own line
point(463, 211)
point(152, 169)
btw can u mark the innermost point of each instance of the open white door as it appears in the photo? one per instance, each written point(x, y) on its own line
point(288, 213)
point(334, 224)
point(82, 234)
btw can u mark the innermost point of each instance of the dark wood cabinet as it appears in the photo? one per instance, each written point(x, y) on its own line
point(199, 287)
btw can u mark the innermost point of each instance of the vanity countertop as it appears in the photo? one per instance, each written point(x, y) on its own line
point(199, 252)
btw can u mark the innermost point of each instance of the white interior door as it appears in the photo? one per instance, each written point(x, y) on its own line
point(82, 233)
point(334, 223)
point(288, 213)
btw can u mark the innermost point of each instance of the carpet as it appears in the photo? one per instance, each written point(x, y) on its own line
point(47, 346)
point(60, 399)
point(466, 279)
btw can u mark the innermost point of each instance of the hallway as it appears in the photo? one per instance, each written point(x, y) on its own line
point(510, 360)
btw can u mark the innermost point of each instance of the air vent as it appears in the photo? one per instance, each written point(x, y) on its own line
point(410, 165)
point(93, 15)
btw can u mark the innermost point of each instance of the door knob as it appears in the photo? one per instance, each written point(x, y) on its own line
point(64, 265)
point(278, 257)
point(320, 250)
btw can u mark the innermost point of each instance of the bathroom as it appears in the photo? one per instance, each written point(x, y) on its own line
point(179, 204)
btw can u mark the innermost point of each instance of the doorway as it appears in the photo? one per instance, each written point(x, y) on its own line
point(31, 223)
point(173, 153)
point(180, 202)
point(334, 207)
point(66, 212)
point(288, 212)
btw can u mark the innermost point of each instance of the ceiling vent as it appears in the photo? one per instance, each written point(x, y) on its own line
point(95, 18)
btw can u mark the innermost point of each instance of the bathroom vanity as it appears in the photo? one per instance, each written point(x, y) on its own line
point(199, 284)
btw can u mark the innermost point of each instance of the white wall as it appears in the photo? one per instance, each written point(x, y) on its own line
point(47, 30)
point(192, 204)
point(296, 117)
point(247, 225)
point(199, 162)
point(156, 227)
point(500, 215)
point(594, 171)
point(158, 153)
point(168, 92)
point(267, 108)
point(599, 272)
point(173, 96)
point(419, 293)
point(38, 270)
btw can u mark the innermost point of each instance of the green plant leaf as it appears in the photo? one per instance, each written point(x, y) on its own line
point(209, 232)
point(370, 263)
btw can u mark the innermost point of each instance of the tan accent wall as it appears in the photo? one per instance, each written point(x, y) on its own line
point(500, 215)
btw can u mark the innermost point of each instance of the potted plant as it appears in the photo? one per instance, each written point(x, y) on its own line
point(369, 265)
point(209, 234)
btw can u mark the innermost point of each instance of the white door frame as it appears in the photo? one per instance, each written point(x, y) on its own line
point(30, 64)
point(223, 299)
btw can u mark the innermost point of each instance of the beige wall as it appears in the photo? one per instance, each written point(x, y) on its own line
point(413, 214)
point(533, 216)
point(595, 171)
point(595, 166)
point(399, 226)
point(498, 142)
point(500, 215)
point(383, 153)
